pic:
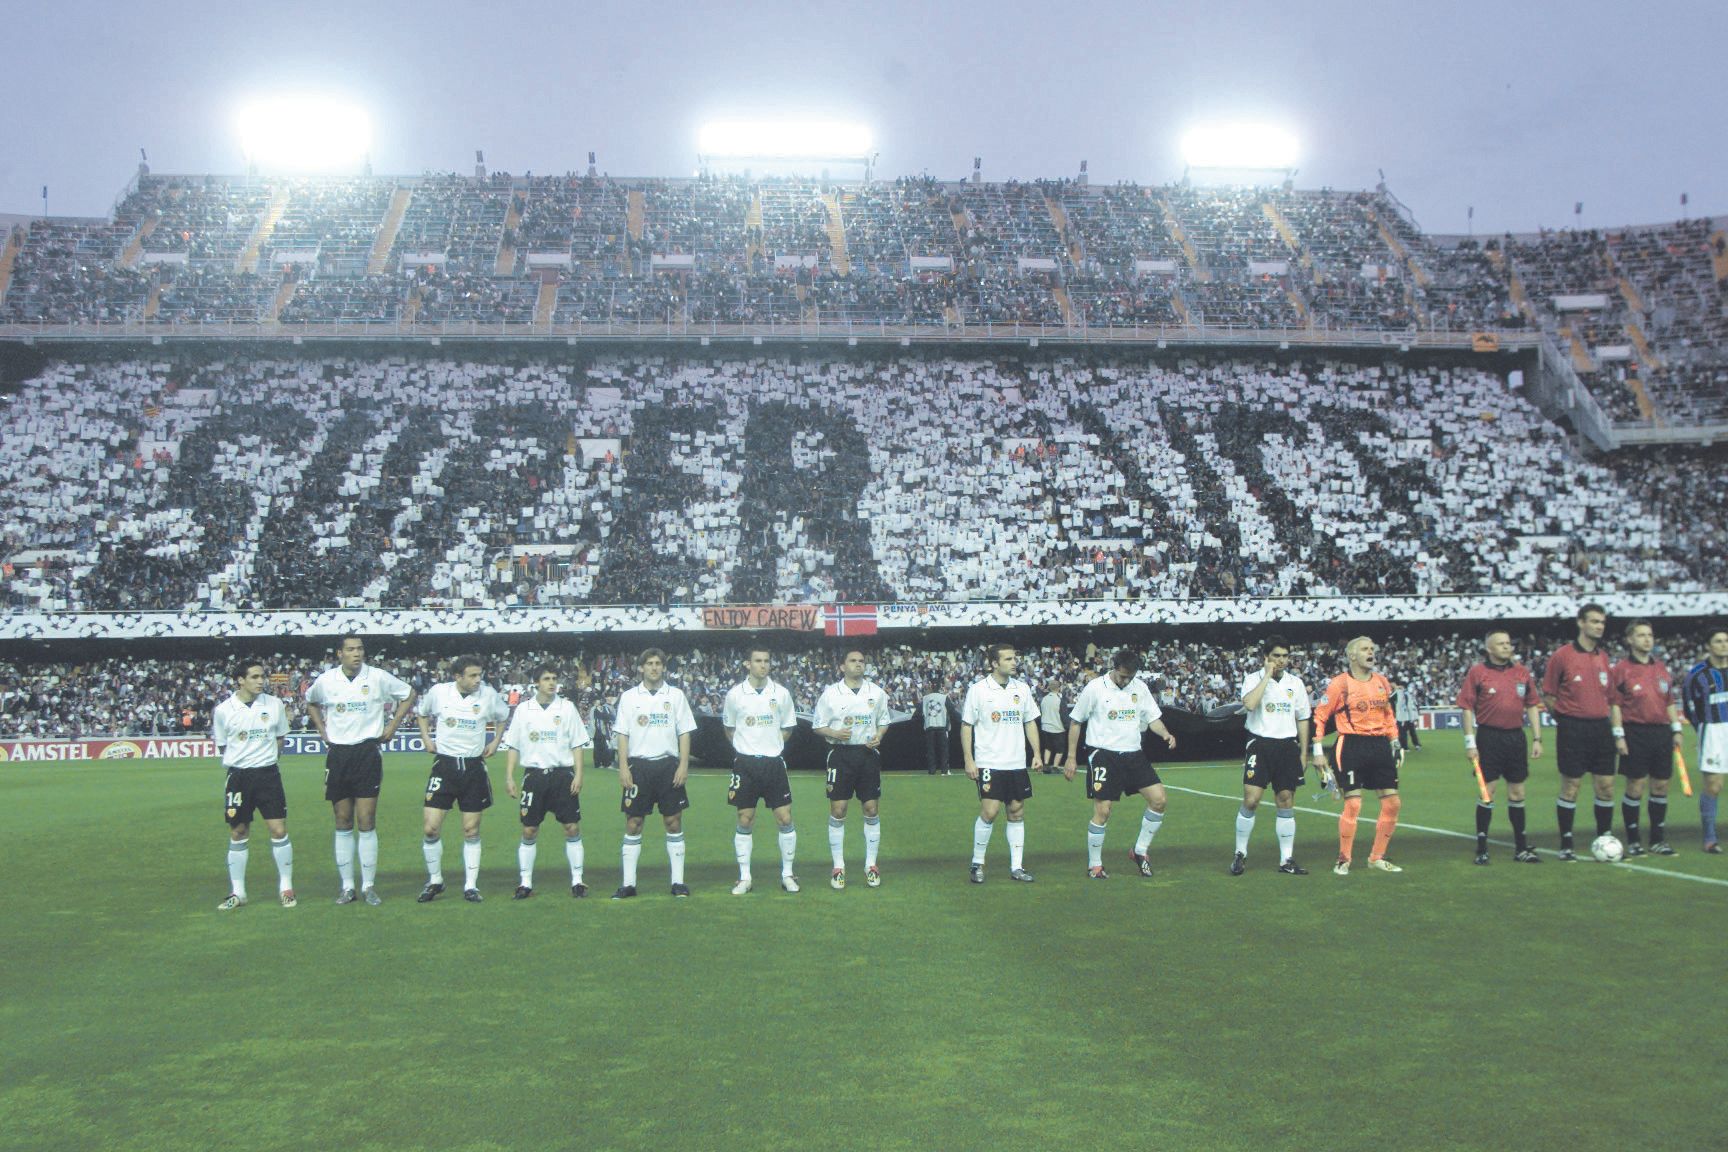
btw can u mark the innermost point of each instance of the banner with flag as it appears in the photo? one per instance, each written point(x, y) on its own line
point(849, 620)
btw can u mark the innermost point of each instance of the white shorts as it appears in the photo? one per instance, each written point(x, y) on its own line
point(1713, 749)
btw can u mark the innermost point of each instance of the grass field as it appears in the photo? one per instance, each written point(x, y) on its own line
point(1450, 1007)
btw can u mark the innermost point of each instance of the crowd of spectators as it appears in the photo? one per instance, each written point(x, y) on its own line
point(732, 249)
point(230, 481)
point(159, 695)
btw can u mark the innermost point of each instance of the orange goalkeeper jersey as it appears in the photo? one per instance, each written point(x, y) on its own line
point(1356, 707)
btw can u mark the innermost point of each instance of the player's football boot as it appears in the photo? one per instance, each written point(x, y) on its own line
point(370, 895)
point(1096, 872)
point(789, 882)
point(1527, 856)
point(873, 877)
point(287, 898)
point(522, 892)
point(838, 880)
point(1481, 857)
point(1021, 875)
point(1661, 848)
point(1142, 864)
point(472, 895)
point(346, 896)
point(1238, 864)
point(578, 891)
point(625, 892)
point(234, 901)
point(681, 890)
point(1381, 864)
point(1291, 868)
point(429, 893)
point(1633, 848)
point(1567, 855)
point(1342, 868)
point(1713, 848)
point(977, 874)
point(741, 887)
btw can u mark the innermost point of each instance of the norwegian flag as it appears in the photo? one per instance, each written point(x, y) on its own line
point(849, 620)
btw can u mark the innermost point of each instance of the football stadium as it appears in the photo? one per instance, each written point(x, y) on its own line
point(1001, 661)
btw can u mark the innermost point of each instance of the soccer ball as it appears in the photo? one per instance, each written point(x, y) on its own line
point(1607, 849)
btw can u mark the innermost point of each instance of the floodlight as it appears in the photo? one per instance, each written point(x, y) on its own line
point(304, 133)
point(784, 139)
point(1239, 146)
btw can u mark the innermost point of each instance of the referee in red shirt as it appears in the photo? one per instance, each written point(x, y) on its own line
point(1645, 712)
point(1575, 687)
point(1497, 697)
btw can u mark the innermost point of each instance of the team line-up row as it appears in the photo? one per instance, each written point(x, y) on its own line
point(1622, 719)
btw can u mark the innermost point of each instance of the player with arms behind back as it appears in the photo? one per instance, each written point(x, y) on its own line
point(547, 737)
point(652, 732)
point(757, 714)
point(1644, 709)
point(466, 710)
point(247, 729)
point(998, 720)
point(1358, 704)
point(350, 706)
point(1575, 688)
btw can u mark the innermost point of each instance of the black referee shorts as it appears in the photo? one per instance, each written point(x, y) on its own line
point(1504, 754)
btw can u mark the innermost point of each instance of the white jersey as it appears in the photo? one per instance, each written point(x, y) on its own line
point(863, 713)
point(1115, 717)
point(653, 721)
point(998, 714)
point(356, 710)
point(459, 722)
point(935, 707)
point(248, 735)
point(1284, 702)
point(546, 737)
point(758, 718)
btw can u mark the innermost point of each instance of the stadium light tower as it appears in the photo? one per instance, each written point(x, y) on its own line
point(304, 134)
point(1240, 148)
point(784, 142)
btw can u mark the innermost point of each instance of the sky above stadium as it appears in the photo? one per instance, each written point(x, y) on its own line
point(1520, 111)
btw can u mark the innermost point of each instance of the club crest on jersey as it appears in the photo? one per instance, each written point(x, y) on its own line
point(641, 721)
point(1603, 678)
point(1662, 687)
point(1518, 689)
point(995, 717)
point(365, 689)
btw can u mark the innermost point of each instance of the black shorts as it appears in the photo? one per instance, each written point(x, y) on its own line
point(759, 779)
point(353, 771)
point(651, 786)
point(1651, 748)
point(854, 771)
point(1005, 785)
point(1113, 775)
point(1366, 762)
point(251, 790)
point(1270, 762)
point(1583, 747)
point(548, 790)
point(1504, 754)
point(459, 782)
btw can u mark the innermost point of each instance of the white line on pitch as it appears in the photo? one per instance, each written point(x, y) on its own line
point(1648, 871)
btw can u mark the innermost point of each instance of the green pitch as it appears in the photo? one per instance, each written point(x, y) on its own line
point(1513, 1006)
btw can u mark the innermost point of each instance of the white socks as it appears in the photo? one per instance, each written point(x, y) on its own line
point(872, 840)
point(284, 853)
point(1016, 834)
point(471, 863)
point(1149, 825)
point(1286, 826)
point(237, 855)
point(632, 855)
point(432, 848)
point(345, 857)
point(1244, 829)
point(788, 836)
point(981, 839)
point(368, 857)
point(837, 842)
point(1094, 845)
point(675, 853)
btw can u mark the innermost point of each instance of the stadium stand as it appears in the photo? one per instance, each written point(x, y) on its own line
point(227, 481)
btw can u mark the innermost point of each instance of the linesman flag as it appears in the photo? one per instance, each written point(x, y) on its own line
point(1680, 767)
